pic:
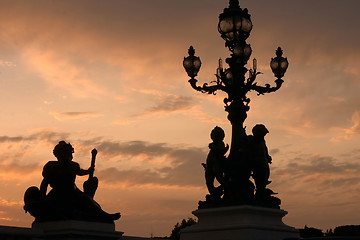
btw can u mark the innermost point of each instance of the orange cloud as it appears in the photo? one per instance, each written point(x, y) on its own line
point(18, 172)
point(351, 132)
point(355, 129)
point(7, 63)
point(61, 72)
point(4, 202)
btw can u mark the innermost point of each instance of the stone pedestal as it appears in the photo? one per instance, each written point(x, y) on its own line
point(77, 230)
point(19, 233)
point(239, 223)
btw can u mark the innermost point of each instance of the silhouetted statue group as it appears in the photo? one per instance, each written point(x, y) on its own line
point(233, 174)
point(65, 201)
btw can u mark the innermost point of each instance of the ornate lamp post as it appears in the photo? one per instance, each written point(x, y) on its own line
point(234, 27)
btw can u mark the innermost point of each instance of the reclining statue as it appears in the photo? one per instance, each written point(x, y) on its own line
point(65, 201)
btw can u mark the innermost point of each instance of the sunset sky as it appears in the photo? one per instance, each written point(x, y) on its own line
point(108, 74)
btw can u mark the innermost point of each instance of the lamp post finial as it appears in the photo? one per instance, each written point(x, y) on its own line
point(234, 4)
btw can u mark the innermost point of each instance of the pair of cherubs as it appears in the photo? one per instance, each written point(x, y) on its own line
point(258, 157)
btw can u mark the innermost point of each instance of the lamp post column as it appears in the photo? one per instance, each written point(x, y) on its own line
point(237, 115)
point(237, 110)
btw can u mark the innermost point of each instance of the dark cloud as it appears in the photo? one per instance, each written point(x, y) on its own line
point(132, 148)
point(184, 175)
point(49, 135)
point(340, 182)
point(185, 163)
point(318, 164)
point(73, 115)
point(183, 166)
point(17, 152)
point(42, 134)
point(172, 103)
point(11, 139)
point(318, 176)
point(354, 153)
point(274, 151)
point(169, 104)
point(130, 177)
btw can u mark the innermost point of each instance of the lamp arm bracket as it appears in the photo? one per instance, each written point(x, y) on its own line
point(205, 88)
point(252, 78)
point(267, 89)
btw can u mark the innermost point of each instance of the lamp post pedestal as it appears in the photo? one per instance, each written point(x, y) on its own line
point(239, 223)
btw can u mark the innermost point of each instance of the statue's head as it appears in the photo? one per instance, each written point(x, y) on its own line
point(63, 151)
point(259, 130)
point(217, 134)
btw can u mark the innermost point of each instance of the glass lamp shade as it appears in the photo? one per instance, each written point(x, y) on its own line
point(192, 63)
point(229, 76)
point(243, 51)
point(234, 24)
point(279, 64)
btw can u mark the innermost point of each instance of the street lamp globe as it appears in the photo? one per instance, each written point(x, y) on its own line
point(279, 64)
point(234, 24)
point(192, 63)
point(243, 51)
point(229, 76)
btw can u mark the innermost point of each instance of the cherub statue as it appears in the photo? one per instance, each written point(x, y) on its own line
point(64, 201)
point(214, 167)
point(260, 160)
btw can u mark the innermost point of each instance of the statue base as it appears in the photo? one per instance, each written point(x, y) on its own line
point(77, 230)
point(242, 222)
